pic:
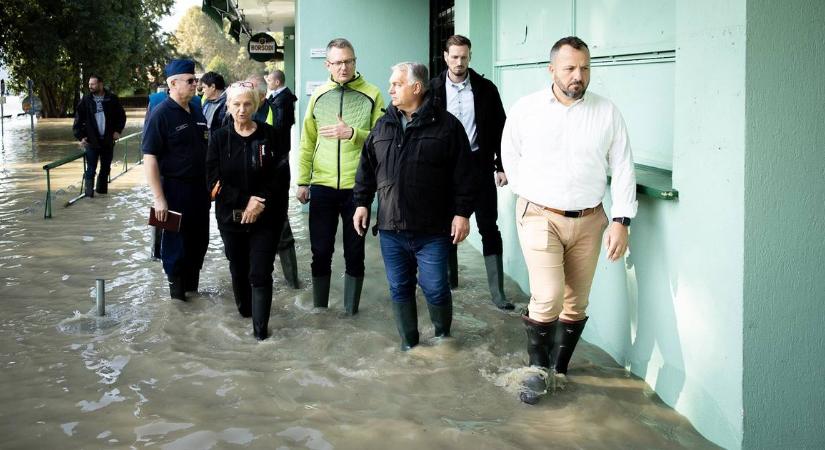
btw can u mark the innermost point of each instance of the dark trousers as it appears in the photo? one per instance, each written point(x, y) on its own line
point(486, 213)
point(407, 252)
point(326, 205)
point(486, 209)
point(286, 239)
point(251, 255)
point(183, 252)
point(102, 154)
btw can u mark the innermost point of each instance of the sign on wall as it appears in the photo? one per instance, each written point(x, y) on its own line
point(262, 47)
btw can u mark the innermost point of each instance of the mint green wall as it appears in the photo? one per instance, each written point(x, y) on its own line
point(289, 57)
point(784, 401)
point(382, 32)
point(672, 312)
point(474, 19)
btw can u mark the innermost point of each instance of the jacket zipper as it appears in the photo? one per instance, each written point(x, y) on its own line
point(341, 114)
point(401, 156)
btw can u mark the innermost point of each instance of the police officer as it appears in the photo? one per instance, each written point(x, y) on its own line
point(174, 155)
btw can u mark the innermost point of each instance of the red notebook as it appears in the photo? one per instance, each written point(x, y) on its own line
point(172, 220)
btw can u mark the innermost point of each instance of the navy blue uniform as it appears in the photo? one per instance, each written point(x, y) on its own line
point(178, 139)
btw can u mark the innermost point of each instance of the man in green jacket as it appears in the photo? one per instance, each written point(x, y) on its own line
point(339, 117)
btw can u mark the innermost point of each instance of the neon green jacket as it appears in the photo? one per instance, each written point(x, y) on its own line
point(333, 162)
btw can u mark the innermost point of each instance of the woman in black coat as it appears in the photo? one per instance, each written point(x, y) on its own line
point(248, 174)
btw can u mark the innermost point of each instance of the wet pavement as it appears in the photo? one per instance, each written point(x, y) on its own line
point(163, 373)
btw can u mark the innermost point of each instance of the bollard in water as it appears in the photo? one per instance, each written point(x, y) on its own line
point(100, 290)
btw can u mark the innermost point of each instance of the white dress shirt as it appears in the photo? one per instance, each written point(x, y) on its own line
point(270, 94)
point(559, 156)
point(460, 104)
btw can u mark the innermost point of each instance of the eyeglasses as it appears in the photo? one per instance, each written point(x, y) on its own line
point(246, 84)
point(190, 81)
point(346, 62)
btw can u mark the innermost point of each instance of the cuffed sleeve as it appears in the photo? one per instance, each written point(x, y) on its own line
point(620, 159)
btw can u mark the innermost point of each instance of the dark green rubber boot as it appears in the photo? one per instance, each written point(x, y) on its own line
point(320, 291)
point(442, 317)
point(495, 281)
point(406, 320)
point(289, 265)
point(352, 293)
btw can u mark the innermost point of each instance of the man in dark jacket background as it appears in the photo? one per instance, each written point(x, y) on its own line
point(475, 101)
point(282, 102)
point(417, 158)
point(99, 121)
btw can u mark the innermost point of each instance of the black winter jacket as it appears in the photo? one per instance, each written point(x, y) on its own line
point(246, 166)
point(85, 125)
point(424, 176)
point(489, 114)
point(283, 108)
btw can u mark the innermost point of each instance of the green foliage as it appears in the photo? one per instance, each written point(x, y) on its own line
point(59, 43)
point(199, 38)
point(219, 65)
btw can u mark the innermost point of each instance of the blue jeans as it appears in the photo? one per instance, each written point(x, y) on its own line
point(406, 251)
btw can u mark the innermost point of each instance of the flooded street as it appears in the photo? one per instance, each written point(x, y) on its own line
point(174, 375)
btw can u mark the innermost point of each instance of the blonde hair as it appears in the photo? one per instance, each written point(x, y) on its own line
point(237, 89)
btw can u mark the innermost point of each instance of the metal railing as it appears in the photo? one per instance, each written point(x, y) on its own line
point(139, 160)
point(47, 212)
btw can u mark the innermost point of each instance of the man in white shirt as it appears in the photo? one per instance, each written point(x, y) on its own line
point(475, 101)
point(558, 147)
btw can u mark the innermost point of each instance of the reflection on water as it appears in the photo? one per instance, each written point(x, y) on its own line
point(156, 372)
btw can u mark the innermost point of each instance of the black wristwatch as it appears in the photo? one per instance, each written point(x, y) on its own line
point(622, 220)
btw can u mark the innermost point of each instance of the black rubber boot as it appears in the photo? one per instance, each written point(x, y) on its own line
point(406, 320)
point(495, 280)
point(88, 187)
point(540, 337)
point(242, 291)
point(193, 280)
point(289, 265)
point(261, 305)
point(156, 238)
point(566, 343)
point(442, 318)
point(177, 290)
point(320, 291)
point(452, 267)
point(352, 293)
point(102, 183)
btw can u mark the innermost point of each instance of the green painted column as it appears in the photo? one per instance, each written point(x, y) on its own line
point(289, 57)
point(784, 335)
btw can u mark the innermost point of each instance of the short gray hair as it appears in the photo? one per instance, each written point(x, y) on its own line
point(416, 72)
point(340, 43)
point(260, 82)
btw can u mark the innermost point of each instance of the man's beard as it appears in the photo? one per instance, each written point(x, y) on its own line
point(573, 95)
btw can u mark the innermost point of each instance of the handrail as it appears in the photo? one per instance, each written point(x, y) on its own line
point(125, 140)
point(47, 212)
point(66, 160)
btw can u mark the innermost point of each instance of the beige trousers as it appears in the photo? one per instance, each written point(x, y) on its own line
point(561, 255)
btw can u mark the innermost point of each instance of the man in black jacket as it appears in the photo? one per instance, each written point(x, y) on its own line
point(282, 100)
point(99, 120)
point(418, 159)
point(475, 101)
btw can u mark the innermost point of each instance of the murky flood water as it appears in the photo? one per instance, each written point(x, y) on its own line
point(162, 373)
